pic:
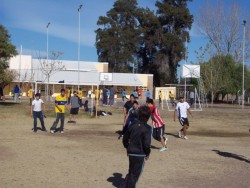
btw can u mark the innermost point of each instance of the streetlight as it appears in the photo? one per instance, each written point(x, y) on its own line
point(243, 74)
point(47, 28)
point(80, 7)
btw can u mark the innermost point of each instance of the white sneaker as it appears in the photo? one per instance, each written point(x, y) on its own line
point(185, 137)
point(166, 140)
point(61, 132)
point(51, 131)
point(180, 134)
point(163, 149)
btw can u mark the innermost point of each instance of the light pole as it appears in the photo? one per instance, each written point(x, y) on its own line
point(47, 28)
point(79, 9)
point(243, 69)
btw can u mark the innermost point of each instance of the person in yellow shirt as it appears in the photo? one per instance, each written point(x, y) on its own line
point(97, 94)
point(171, 97)
point(69, 95)
point(60, 106)
point(80, 96)
point(30, 94)
point(160, 97)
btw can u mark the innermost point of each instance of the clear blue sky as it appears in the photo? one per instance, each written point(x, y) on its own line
point(26, 21)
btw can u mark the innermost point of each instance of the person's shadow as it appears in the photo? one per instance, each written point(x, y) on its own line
point(116, 179)
point(232, 155)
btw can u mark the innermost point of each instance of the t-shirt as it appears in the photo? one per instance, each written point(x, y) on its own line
point(133, 112)
point(30, 93)
point(16, 90)
point(37, 105)
point(148, 94)
point(160, 95)
point(68, 93)
point(181, 108)
point(191, 95)
point(80, 94)
point(97, 93)
point(171, 95)
point(128, 105)
point(155, 116)
point(124, 93)
point(60, 101)
point(74, 102)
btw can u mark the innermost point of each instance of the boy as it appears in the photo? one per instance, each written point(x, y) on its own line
point(60, 105)
point(158, 125)
point(80, 95)
point(74, 107)
point(137, 141)
point(160, 97)
point(30, 95)
point(171, 97)
point(182, 107)
point(36, 111)
point(130, 118)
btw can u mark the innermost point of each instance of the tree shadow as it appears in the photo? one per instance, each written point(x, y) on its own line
point(116, 179)
point(232, 155)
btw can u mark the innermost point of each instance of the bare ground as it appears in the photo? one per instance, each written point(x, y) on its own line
point(89, 154)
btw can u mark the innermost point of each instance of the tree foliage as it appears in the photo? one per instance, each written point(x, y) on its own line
point(7, 50)
point(130, 36)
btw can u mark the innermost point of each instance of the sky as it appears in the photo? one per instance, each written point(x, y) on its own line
point(26, 21)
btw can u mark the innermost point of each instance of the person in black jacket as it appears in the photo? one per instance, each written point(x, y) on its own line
point(137, 141)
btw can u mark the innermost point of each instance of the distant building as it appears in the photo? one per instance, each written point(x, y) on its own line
point(91, 75)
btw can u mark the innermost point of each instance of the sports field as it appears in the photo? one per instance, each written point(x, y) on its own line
point(89, 154)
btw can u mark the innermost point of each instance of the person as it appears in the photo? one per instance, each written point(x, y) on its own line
point(97, 94)
point(105, 98)
point(30, 95)
point(124, 95)
point(137, 141)
point(147, 94)
point(191, 97)
point(127, 106)
point(135, 93)
point(108, 96)
point(37, 111)
point(171, 97)
point(158, 125)
point(2, 97)
point(69, 94)
point(182, 107)
point(60, 105)
point(86, 106)
point(160, 97)
point(74, 107)
point(80, 95)
point(89, 93)
point(139, 93)
point(112, 96)
point(130, 118)
point(16, 93)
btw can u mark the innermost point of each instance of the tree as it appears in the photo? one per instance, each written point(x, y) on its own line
point(116, 41)
point(7, 50)
point(175, 20)
point(222, 24)
point(50, 67)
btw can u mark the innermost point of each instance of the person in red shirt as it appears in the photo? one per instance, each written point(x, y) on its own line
point(158, 125)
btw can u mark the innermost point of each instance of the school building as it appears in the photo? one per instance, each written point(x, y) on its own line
point(73, 74)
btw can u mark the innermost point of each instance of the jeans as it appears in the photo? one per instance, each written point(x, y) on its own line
point(59, 116)
point(38, 115)
point(16, 95)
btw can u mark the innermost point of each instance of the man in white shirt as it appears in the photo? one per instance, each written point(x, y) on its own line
point(182, 108)
point(36, 111)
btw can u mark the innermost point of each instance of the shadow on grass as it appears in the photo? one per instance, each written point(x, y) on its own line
point(6, 103)
point(116, 179)
point(232, 155)
point(171, 134)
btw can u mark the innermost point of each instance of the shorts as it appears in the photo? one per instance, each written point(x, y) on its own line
point(74, 111)
point(158, 133)
point(184, 121)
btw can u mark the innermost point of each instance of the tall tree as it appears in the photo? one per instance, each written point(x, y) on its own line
point(7, 50)
point(175, 20)
point(117, 38)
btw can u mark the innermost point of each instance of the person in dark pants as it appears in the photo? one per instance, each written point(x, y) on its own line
point(60, 105)
point(37, 106)
point(137, 141)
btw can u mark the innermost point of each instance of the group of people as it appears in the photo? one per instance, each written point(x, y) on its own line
point(137, 133)
point(62, 102)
